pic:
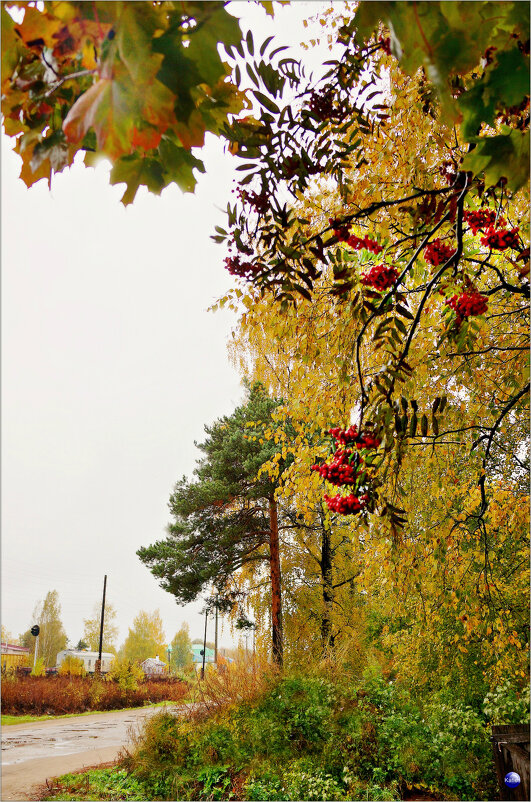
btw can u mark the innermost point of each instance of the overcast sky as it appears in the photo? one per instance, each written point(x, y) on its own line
point(111, 366)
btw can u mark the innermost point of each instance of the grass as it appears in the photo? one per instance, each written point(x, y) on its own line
point(7, 720)
point(96, 784)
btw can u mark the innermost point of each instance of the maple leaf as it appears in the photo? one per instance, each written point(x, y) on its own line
point(37, 29)
point(135, 170)
point(108, 107)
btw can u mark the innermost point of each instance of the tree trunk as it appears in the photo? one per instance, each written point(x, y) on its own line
point(276, 596)
point(327, 639)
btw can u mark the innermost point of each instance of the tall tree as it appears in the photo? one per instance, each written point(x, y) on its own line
point(227, 516)
point(91, 629)
point(145, 638)
point(182, 657)
point(52, 635)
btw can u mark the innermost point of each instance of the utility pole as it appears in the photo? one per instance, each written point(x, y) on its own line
point(204, 647)
point(98, 664)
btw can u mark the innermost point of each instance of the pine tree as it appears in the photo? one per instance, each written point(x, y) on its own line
point(226, 517)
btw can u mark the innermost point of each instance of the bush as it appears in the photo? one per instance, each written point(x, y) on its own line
point(69, 694)
point(72, 666)
point(126, 673)
point(316, 737)
point(507, 704)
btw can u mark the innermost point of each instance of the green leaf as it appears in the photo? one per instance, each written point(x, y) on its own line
point(134, 32)
point(135, 171)
point(266, 102)
point(178, 164)
point(265, 44)
point(218, 27)
point(502, 156)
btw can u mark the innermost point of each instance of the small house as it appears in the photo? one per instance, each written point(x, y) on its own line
point(88, 659)
point(13, 656)
point(153, 667)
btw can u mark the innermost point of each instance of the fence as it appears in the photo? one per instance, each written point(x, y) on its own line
point(510, 744)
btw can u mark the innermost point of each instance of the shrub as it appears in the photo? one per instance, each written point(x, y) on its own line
point(314, 738)
point(507, 704)
point(72, 666)
point(69, 694)
point(304, 782)
point(39, 669)
point(126, 673)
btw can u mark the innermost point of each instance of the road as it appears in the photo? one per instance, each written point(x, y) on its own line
point(33, 753)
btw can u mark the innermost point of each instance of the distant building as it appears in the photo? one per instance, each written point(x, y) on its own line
point(13, 656)
point(153, 667)
point(197, 649)
point(88, 658)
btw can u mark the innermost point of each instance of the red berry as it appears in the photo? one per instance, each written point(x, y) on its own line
point(438, 252)
point(468, 304)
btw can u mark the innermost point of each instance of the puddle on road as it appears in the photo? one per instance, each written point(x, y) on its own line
point(70, 736)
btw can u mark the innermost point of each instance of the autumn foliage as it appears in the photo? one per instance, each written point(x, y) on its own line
point(378, 239)
point(60, 695)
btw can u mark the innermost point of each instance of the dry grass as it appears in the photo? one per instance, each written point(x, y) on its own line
point(60, 695)
point(241, 681)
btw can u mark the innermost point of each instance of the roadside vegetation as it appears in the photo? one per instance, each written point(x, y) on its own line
point(325, 734)
point(55, 696)
point(10, 720)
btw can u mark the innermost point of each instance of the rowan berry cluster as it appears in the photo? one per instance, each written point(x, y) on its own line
point(322, 104)
point(480, 219)
point(468, 304)
point(346, 467)
point(438, 252)
point(241, 269)
point(340, 471)
point(357, 243)
point(500, 239)
point(351, 436)
point(381, 277)
point(347, 505)
point(259, 202)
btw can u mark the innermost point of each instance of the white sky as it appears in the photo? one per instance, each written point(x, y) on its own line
point(111, 366)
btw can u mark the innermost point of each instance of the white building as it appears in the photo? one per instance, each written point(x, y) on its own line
point(88, 658)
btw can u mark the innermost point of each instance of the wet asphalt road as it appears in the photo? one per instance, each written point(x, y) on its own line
point(33, 753)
